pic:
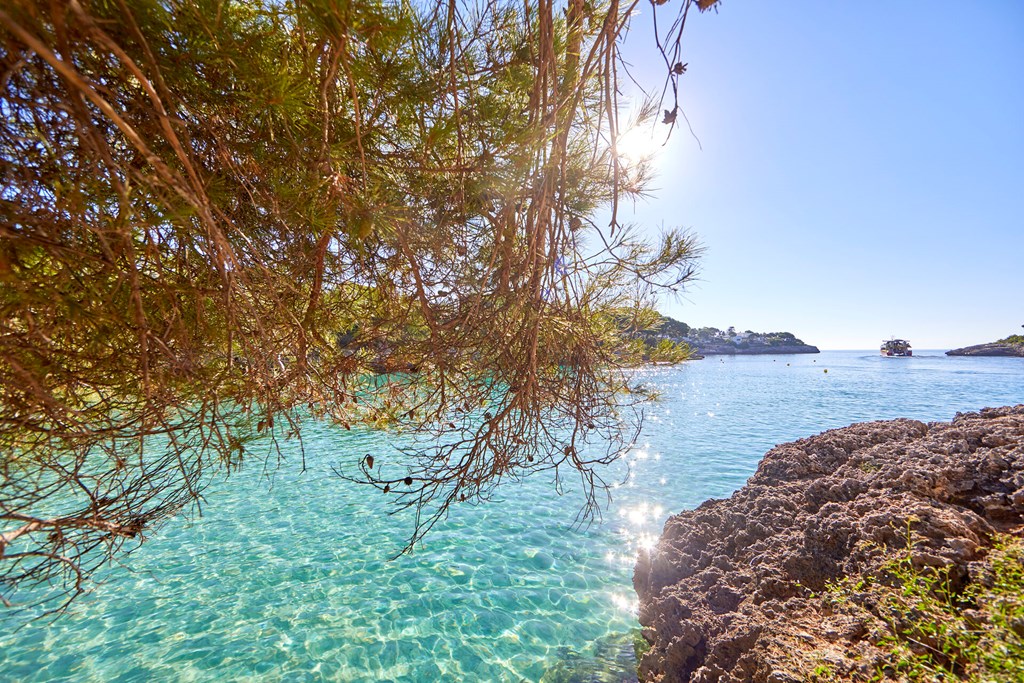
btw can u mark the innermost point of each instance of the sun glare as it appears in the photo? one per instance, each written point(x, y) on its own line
point(638, 143)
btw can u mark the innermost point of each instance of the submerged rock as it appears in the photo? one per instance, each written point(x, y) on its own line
point(611, 659)
point(729, 592)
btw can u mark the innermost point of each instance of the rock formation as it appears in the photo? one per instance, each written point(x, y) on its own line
point(993, 349)
point(729, 592)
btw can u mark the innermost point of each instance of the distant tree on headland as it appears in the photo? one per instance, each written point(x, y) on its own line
point(219, 220)
point(713, 340)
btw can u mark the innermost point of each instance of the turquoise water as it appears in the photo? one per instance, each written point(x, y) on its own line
point(288, 579)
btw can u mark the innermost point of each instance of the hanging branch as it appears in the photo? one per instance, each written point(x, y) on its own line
point(217, 226)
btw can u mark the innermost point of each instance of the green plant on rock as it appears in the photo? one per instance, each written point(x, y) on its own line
point(821, 673)
point(1000, 599)
point(928, 628)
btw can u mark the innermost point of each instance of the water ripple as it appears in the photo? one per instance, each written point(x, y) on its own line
point(292, 581)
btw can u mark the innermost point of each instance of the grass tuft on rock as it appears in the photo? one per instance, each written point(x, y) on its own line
point(929, 625)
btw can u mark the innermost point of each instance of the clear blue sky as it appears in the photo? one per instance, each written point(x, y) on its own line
point(862, 171)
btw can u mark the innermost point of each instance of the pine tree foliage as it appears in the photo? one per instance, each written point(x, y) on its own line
point(220, 220)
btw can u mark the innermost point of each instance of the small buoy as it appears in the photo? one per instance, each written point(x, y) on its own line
point(826, 370)
point(787, 365)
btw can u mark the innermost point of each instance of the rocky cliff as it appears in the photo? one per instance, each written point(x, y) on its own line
point(732, 591)
point(993, 349)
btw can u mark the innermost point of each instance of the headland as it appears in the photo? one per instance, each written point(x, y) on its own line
point(1011, 346)
point(711, 341)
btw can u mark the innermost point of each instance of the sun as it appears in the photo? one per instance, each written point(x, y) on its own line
point(638, 143)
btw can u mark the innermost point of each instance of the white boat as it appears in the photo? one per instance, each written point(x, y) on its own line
point(896, 347)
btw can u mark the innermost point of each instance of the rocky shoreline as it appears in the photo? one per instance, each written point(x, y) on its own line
point(732, 591)
point(752, 350)
point(992, 349)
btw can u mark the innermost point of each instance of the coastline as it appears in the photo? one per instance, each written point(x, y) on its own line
point(725, 350)
point(994, 349)
point(733, 589)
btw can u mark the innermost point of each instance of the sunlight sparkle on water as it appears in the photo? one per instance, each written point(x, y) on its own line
point(625, 603)
point(640, 530)
point(638, 514)
point(499, 592)
point(647, 541)
point(642, 513)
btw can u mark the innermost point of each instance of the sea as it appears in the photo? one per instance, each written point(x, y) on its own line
point(291, 576)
